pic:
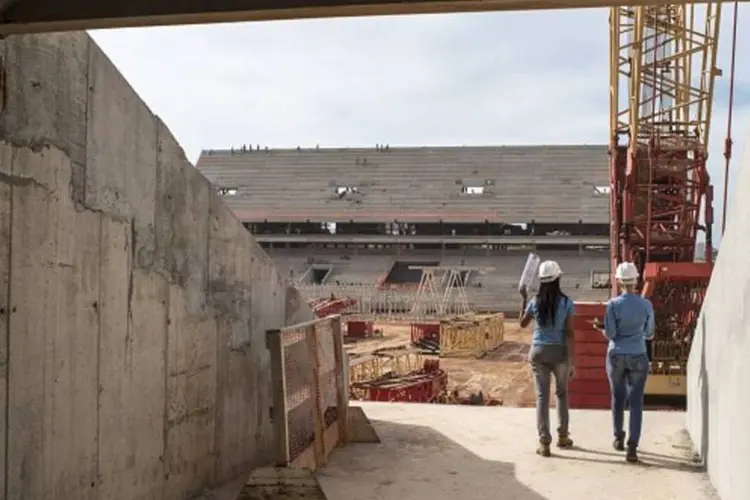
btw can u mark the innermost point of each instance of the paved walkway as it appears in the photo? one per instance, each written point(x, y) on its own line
point(436, 452)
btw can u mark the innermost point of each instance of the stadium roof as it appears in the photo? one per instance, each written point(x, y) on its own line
point(511, 184)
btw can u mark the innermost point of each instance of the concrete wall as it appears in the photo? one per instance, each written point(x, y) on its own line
point(719, 369)
point(133, 305)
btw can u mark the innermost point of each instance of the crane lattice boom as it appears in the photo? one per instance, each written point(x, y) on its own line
point(663, 68)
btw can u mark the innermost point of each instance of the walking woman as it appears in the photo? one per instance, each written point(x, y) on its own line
point(628, 323)
point(551, 351)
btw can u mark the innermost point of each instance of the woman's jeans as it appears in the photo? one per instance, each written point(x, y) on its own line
point(548, 361)
point(627, 375)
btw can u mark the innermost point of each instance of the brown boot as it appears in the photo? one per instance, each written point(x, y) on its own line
point(543, 449)
point(564, 441)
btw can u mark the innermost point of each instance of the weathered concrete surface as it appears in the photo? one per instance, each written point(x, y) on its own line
point(133, 305)
point(434, 452)
point(719, 367)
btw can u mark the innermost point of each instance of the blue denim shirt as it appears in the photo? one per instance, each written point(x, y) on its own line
point(551, 334)
point(628, 323)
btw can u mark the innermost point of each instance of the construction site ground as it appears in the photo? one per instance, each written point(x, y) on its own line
point(502, 374)
point(439, 452)
point(453, 451)
point(445, 452)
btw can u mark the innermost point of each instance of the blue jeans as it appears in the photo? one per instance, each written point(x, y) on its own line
point(627, 375)
point(549, 361)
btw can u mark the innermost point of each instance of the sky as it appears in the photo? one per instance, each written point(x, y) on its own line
point(465, 79)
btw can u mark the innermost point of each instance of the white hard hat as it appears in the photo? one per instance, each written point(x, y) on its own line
point(627, 273)
point(549, 270)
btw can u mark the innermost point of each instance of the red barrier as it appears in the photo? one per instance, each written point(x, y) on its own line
point(580, 386)
point(596, 373)
point(589, 401)
point(591, 348)
point(424, 331)
point(589, 388)
point(587, 361)
point(360, 329)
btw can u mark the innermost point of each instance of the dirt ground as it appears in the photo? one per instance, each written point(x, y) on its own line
point(502, 374)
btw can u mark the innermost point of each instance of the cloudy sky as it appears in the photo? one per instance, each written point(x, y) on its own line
point(467, 79)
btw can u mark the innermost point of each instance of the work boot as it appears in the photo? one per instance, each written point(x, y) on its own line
point(619, 442)
point(564, 441)
point(543, 449)
point(632, 454)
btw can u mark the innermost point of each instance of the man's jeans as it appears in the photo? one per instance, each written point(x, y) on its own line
point(547, 361)
point(627, 375)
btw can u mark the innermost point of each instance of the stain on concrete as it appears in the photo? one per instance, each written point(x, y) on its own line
point(161, 390)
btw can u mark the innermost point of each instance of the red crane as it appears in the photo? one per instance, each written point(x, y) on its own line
point(662, 73)
point(666, 55)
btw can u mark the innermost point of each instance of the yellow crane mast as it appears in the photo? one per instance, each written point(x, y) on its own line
point(663, 68)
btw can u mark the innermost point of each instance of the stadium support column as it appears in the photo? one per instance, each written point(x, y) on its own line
point(398, 238)
point(442, 240)
point(488, 233)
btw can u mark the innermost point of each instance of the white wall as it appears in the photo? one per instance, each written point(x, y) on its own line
point(719, 368)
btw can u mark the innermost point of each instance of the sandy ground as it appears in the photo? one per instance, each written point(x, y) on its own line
point(502, 374)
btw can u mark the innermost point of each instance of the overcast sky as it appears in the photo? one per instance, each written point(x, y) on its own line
point(467, 79)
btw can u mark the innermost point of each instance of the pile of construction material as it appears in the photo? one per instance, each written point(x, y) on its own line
point(469, 335)
point(428, 384)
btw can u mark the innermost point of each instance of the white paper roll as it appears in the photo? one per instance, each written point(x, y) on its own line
point(529, 271)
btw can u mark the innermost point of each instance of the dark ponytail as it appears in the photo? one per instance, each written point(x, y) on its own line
point(546, 302)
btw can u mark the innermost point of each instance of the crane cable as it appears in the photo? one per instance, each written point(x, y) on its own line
point(728, 140)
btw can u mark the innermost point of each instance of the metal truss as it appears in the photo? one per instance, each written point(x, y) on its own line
point(662, 74)
point(663, 67)
point(442, 290)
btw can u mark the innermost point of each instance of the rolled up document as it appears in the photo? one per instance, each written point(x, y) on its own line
point(529, 271)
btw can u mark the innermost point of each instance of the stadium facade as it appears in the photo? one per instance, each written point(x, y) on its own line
point(333, 218)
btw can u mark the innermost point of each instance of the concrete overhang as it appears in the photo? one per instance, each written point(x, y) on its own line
point(36, 16)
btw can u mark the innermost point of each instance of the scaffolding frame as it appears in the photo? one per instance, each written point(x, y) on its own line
point(442, 290)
